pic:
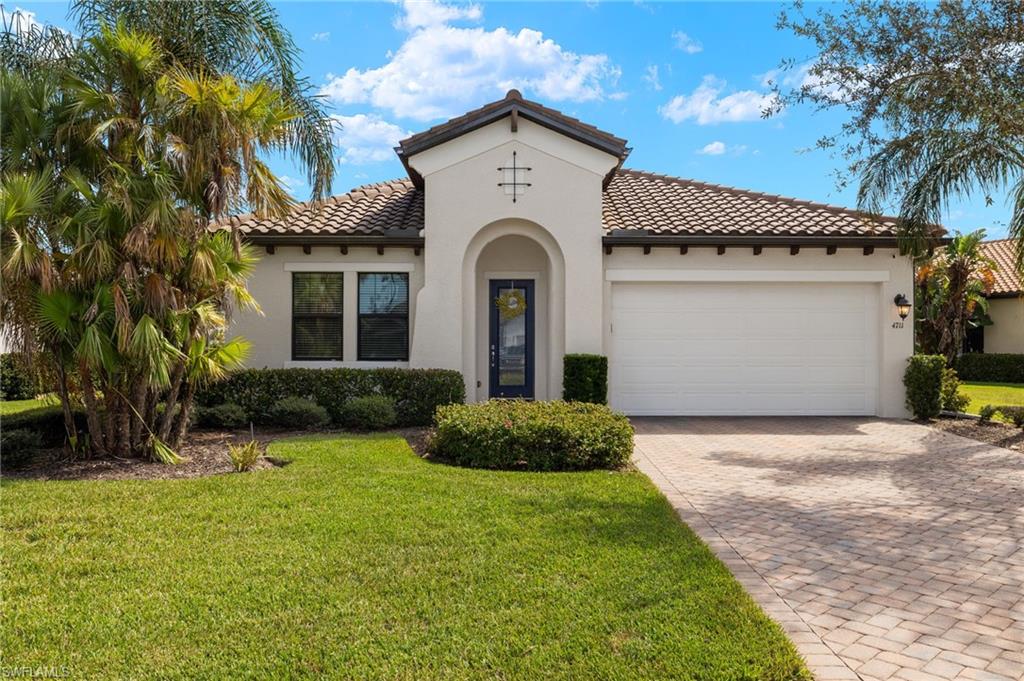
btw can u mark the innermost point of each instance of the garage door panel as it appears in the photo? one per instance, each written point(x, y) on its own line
point(688, 348)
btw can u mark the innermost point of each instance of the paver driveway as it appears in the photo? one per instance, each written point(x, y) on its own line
point(887, 549)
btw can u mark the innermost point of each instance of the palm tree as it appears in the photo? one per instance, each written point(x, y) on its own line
point(927, 168)
point(107, 241)
point(951, 290)
point(242, 39)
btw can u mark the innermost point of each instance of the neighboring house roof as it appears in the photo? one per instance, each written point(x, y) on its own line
point(1008, 280)
point(635, 205)
point(513, 106)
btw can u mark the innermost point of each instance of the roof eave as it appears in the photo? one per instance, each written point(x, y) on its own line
point(648, 239)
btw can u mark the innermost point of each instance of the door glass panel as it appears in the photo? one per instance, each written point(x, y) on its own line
point(512, 341)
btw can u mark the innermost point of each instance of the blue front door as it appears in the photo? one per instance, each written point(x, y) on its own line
point(511, 346)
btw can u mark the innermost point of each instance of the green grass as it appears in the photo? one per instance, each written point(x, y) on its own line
point(15, 406)
point(360, 560)
point(996, 394)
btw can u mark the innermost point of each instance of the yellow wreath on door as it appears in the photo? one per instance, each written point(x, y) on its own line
point(511, 304)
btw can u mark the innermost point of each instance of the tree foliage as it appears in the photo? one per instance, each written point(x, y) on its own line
point(935, 98)
point(951, 289)
point(117, 158)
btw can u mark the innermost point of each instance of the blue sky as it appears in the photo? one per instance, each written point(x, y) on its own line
point(683, 82)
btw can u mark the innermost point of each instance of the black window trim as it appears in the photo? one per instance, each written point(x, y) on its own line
point(340, 315)
point(360, 315)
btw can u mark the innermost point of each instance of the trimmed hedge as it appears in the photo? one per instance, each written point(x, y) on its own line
point(16, 381)
point(47, 421)
point(227, 415)
point(585, 378)
point(18, 447)
point(298, 412)
point(991, 368)
point(373, 412)
point(537, 436)
point(923, 380)
point(417, 393)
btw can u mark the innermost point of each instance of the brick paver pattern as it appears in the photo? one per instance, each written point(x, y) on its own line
point(886, 549)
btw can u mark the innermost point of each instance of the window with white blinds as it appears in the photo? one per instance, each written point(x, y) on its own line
point(383, 333)
point(317, 299)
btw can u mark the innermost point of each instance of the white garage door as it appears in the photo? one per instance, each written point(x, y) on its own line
point(752, 349)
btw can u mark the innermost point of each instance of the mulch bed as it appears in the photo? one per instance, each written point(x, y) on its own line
point(989, 432)
point(205, 453)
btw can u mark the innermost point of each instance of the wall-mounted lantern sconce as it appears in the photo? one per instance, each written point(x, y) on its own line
point(902, 305)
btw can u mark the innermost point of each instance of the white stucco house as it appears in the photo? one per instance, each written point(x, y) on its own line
point(706, 299)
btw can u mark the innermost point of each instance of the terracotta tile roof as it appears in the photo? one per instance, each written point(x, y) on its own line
point(393, 208)
point(1008, 281)
point(635, 203)
point(658, 204)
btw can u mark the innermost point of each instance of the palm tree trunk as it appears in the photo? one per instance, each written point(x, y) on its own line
point(172, 400)
point(92, 412)
point(124, 422)
point(139, 403)
point(65, 404)
point(181, 426)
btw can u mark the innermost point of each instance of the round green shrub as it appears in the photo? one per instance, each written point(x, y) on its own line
point(19, 446)
point(298, 412)
point(373, 412)
point(227, 415)
point(538, 436)
point(952, 399)
point(987, 412)
point(923, 381)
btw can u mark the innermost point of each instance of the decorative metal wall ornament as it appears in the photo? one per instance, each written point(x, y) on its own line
point(511, 304)
point(515, 184)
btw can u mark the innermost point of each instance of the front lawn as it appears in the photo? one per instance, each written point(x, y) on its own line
point(996, 394)
point(15, 406)
point(359, 559)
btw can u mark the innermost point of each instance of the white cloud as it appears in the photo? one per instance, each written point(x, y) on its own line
point(321, 37)
point(366, 138)
point(293, 184)
point(712, 149)
point(706, 105)
point(19, 21)
point(718, 148)
point(443, 70)
point(429, 13)
point(652, 78)
point(686, 43)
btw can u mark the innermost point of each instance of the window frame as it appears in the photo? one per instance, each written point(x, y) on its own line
point(375, 315)
point(339, 315)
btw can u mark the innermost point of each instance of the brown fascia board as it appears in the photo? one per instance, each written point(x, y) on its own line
point(334, 240)
point(615, 148)
point(751, 240)
point(1005, 294)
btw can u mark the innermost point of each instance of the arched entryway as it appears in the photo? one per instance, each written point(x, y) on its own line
point(514, 304)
